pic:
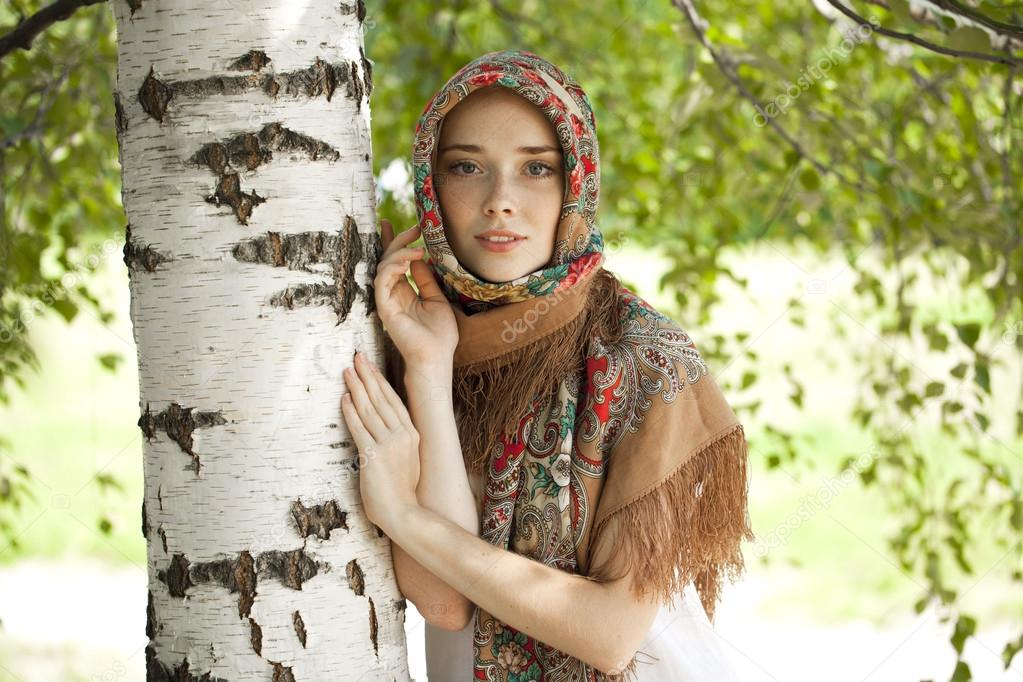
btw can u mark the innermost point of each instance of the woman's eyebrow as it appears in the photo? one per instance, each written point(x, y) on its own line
point(475, 148)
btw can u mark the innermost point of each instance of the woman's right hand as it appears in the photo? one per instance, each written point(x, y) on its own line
point(422, 326)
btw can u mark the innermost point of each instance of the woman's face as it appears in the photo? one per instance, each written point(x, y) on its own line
point(499, 166)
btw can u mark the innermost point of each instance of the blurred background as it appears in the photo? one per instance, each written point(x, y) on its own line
point(828, 198)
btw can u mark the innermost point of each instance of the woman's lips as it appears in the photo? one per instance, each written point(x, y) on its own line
point(499, 247)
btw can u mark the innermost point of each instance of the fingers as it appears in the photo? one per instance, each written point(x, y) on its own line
point(371, 419)
point(387, 277)
point(363, 440)
point(429, 290)
point(401, 241)
point(392, 273)
point(373, 382)
point(388, 393)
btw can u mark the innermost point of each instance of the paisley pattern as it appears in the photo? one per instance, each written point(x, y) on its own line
point(542, 485)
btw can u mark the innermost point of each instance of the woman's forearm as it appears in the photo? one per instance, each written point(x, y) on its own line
point(443, 488)
point(443, 482)
point(558, 608)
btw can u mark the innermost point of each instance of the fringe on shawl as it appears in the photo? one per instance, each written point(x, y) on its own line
point(689, 528)
point(495, 394)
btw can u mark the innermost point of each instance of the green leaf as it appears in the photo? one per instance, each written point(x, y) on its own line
point(934, 388)
point(982, 375)
point(962, 673)
point(969, 38)
point(1011, 649)
point(66, 308)
point(965, 627)
point(968, 333)
point(810, 179)
point(110, 360)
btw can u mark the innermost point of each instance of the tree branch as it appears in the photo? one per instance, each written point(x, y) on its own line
point(22, 35)
point(696, 23)
point(980, 18)
point(934, 47)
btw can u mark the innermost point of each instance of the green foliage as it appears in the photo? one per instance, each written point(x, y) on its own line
point(905, 154)
point(61, 178)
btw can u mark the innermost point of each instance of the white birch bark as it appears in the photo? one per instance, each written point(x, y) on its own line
point(244, 141)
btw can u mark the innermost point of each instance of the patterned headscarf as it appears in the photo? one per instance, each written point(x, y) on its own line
point(579, 244)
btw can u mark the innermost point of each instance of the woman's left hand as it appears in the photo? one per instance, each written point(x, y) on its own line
point(387, 440)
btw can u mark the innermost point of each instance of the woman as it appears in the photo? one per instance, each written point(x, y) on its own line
point(580, 469)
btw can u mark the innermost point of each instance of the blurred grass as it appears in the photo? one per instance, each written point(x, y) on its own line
point(77, 418)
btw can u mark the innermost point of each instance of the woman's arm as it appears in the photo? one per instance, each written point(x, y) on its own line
point(602, 624)
point(443, 488)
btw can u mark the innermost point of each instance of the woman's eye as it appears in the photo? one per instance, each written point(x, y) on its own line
point(462, 164)
point(544, 169)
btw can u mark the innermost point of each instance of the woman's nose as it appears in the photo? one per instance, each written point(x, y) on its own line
point(499, 199)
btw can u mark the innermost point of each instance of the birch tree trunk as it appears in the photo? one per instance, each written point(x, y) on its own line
point(251, 245)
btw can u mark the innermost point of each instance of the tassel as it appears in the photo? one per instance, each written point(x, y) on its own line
point(687, 529)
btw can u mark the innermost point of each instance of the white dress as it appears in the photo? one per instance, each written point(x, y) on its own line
point(680, 647)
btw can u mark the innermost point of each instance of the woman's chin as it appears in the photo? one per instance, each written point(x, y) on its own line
point(497, 274)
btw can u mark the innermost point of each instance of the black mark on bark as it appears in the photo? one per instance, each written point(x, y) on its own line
point(343, 252)
point(358, 8)
point(145, 521)
point(373, 625)
point(151, 626)
point(301, 251)
point(356, 581)
point(158, 672)
point(237, 575)
point(296, 619)
point(253, 60)
point(163, 538)
point(291, 568)
point(154, 96)
point(229, 192)
point(138, 256)
point(367, 73)
point(179, 423)
point(176, 576)
point(248, 151)
point(120, 121)
point(282, 674)
point(256, 636)
point(134, 5)
point(321, 78)
point(355, 87)
point(318, 520)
